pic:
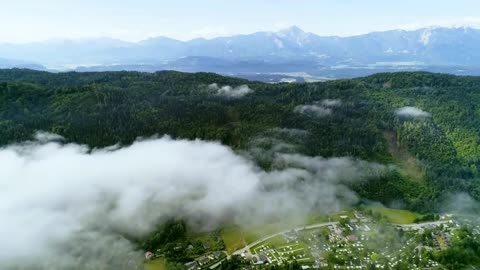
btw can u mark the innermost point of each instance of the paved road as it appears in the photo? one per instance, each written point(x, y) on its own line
point(423, 224)
point(308, 227)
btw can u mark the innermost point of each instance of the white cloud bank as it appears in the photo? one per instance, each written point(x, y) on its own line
point(462, 22)
point(228, 91)
point(412, 112)
point(331, 102)
point(320, 109)
point(65, 206)
point(314, 110)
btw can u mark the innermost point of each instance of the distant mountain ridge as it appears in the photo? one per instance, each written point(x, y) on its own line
point(10, 63)
point(455, 47)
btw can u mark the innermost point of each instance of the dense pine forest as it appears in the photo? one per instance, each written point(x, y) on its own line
point(436, 154)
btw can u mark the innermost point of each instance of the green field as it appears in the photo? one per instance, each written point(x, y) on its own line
point(396, 216)
point(253, 233)
point(236, 237)
point(233, 237)
point(157, 264)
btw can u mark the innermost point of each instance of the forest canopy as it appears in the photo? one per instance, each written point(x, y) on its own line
point(424, 123)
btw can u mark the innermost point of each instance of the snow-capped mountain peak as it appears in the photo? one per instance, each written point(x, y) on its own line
point(295, 35)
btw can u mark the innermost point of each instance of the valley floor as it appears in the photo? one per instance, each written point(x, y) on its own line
point(357, 239)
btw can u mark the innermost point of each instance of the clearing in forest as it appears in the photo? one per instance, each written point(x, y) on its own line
point(408, 164)
point(396, 216)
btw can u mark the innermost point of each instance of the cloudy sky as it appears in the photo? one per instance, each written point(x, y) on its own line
point(33, 20)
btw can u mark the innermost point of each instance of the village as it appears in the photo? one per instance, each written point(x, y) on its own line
point(353, 243)
point(356, 240)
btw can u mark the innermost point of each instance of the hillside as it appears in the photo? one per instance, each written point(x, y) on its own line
point(434, 118)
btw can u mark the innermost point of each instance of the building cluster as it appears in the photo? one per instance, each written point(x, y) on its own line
point(346, 244)
point(205, 260)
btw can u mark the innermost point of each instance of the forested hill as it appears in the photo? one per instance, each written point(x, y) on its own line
point(434, 139)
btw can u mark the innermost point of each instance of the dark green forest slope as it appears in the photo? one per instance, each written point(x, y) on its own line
point(101, 109)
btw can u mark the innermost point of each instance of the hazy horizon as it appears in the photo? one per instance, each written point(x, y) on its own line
point(92, 38)
point(32, 21)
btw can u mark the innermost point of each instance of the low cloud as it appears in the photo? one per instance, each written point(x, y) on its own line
point(52, 193)
point(66, 206)
point(331, 102)
point(461, 203)
point(228, 91)
point(413, 112)
point(313, 110)
point(319, 109)
point(213, 86)
point(472, 22)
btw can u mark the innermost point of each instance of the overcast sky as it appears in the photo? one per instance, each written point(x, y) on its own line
point(133, 20)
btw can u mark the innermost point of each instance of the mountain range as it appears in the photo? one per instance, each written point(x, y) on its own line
point(291, 52)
